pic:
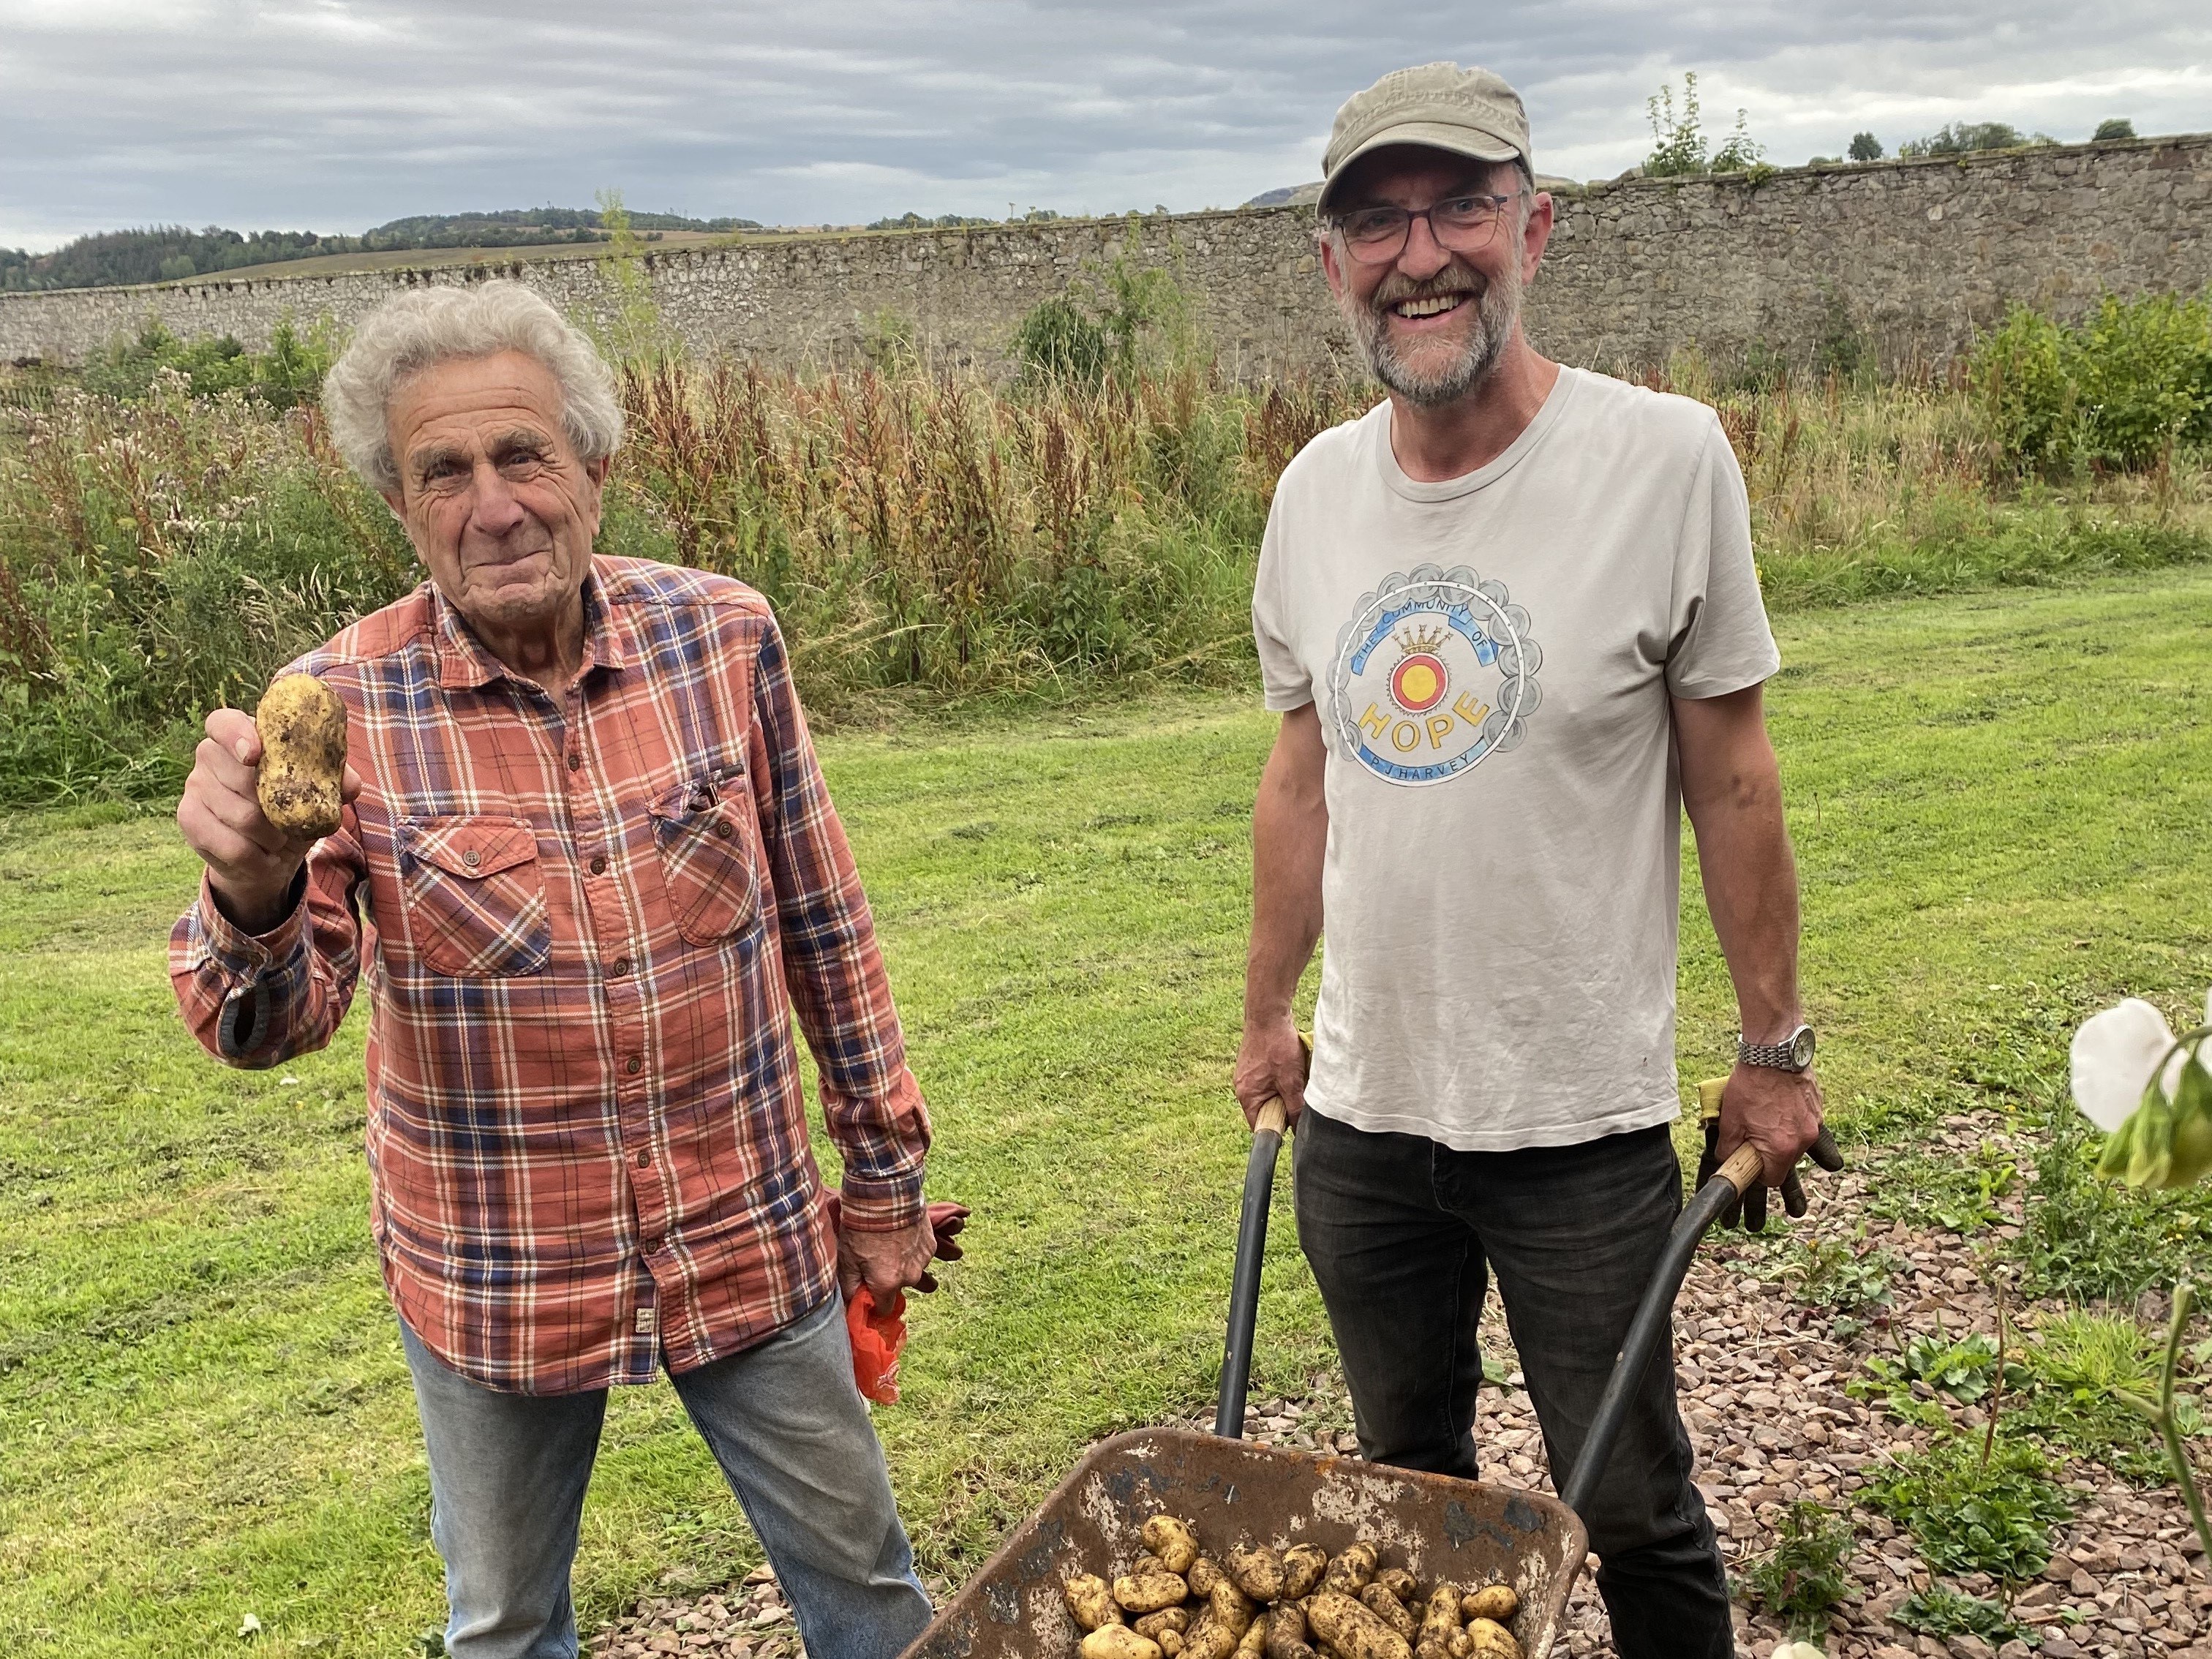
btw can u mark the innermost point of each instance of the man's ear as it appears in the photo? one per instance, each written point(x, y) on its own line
point(596, 471)
point(397, 502)
point(1536, 235)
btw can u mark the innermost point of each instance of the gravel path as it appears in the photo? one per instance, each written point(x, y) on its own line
point(1764, 1394)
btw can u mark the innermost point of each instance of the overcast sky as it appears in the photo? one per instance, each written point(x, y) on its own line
point(334, 115)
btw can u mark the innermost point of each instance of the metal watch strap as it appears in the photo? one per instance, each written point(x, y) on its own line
point(1777, 1056)
point(1774, 1054)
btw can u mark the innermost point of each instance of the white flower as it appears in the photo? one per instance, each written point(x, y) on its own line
point(2115, 1053)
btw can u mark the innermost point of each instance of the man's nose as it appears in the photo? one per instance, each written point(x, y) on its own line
point(494, 510)
point(1423, 256)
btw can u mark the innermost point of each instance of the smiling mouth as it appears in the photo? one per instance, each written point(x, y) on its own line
point(1429, 305)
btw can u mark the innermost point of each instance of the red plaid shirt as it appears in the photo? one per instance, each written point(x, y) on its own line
point(586, 916)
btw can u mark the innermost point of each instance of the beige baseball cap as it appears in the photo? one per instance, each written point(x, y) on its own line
point(1469, 112)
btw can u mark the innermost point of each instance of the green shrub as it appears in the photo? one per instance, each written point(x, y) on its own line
point(1970, 1516)
point(2121, 388)
point(2023, 376)
point(288, 373)
point(1803, 1576)
point(1058, 343)
point(2145, 376)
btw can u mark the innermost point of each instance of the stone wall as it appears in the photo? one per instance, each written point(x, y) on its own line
point(1904, 258)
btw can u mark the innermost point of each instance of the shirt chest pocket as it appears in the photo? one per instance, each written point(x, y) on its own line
point(475, 896)
point(709, 859)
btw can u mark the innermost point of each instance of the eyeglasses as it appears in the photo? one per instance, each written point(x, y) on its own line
point(1463, 224)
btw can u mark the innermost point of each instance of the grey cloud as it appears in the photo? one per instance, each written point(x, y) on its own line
point(338, 113)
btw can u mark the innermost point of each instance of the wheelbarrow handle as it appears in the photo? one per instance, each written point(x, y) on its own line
point(1653, 1314)
point(1269, 1125)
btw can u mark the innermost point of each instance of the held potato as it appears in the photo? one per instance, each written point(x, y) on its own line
point(303, 748)
point(1351, 1571)
point(1257, 1571)
point(1118, 1642)
point(1398, 1582)
point(1491, 1640)
point(1496, 1602)
point(1352, 1630)
point(1149, 1587)
point(1091, 1602)
point(1173, 1541)
point(1303, 1566)
point(1378, 1601)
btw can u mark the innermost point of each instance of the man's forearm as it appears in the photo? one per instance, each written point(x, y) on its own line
point(1751, 890)
point(1731, 789)
point(1290, 837)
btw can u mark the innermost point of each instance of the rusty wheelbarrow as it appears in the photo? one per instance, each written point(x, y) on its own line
point(1233, 1492)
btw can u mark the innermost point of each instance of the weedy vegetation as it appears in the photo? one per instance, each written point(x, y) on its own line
point(1803, 1576)
point(1975, 1506)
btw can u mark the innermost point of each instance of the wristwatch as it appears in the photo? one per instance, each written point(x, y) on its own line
point(1793, 1053)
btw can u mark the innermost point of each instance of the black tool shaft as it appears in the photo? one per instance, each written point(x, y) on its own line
point(1244, 1293)
point(1645, 1331)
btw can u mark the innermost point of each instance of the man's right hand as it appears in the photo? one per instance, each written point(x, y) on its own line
point(1271, 1061)
point(251, 863)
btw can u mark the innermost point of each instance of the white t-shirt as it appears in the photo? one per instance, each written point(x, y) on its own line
point(1492, 658)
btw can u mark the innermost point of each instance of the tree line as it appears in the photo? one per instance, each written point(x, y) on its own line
point(160, 254)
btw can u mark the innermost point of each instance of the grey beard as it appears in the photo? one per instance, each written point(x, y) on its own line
point(1495, 312)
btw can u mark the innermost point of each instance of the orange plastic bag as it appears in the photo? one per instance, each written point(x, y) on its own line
point(878, 1336)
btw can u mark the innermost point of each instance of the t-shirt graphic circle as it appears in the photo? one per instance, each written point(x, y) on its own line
point(1434, 672)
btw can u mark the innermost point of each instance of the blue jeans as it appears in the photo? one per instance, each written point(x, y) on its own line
point(783, 1419)
point(1403, 1234)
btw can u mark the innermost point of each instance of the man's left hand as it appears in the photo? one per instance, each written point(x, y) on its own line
point(938, 1231)
point(1778, 1112)
point(886, 1263)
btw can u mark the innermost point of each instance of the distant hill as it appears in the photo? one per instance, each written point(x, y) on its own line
point(163, 254)
point(1288, 196)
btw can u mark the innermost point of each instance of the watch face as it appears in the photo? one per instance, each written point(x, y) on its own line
point(1801, 1047)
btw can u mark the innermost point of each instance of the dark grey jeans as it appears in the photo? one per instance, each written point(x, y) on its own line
point(1402, 1232)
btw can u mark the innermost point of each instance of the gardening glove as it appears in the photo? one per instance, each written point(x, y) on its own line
point(1752, 1207)
point(945, 1223)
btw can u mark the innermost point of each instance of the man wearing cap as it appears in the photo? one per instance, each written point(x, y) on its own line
point(1511, 620)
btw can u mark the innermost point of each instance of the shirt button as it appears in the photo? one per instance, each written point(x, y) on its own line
point(644, 1160)
point(575, 762)
point(622, 966)
point(634, 1065)
point(599, 866)
point(722, 830)
point(472, 858)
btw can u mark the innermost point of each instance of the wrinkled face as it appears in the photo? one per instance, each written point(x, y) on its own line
point(491, 491)
point(1434, 323)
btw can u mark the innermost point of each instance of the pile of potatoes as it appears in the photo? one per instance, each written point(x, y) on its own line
point(1294, 1603)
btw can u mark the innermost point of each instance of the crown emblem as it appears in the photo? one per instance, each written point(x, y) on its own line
point(1418, 639)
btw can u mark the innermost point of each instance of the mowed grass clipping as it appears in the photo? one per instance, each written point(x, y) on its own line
point(1998, 804)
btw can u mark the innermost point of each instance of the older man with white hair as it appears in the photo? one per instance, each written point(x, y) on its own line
point(590, 866)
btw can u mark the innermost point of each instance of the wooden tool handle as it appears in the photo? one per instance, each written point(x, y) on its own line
point(1744, 1167)
point(1271, 1116)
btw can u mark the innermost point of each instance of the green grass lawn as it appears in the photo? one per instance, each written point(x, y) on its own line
point(1999, 803)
